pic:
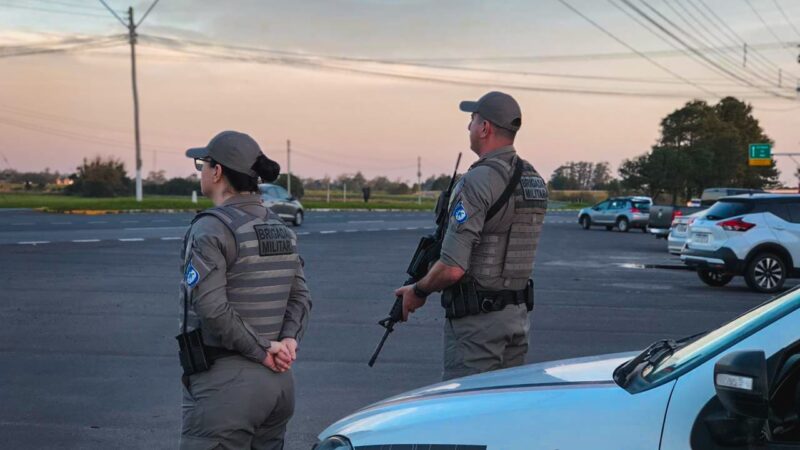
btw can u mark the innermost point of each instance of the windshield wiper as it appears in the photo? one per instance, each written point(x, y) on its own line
point(654, 353)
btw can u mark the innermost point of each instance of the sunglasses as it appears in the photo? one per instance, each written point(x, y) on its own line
point(199, 163)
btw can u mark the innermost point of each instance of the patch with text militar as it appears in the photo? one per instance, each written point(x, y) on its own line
point(274, 239)
point(533, 188)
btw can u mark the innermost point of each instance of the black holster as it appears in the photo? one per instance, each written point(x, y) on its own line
point(465, 299)
point(192, 352)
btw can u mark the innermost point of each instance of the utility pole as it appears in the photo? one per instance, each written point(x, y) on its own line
point(744, 63)
point(289, 166)
point(132, 26)
point(132, 40)
point(419, 180)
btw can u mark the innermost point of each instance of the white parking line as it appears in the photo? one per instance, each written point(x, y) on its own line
point(80, 241)
point(350, 231)
point(327, 232)
point(23, 223)
point(171, 238)
point(373, 229)
point(302, 233)
point(33, 242)
point(131, 240)
point(412, 228)
point(393, 229)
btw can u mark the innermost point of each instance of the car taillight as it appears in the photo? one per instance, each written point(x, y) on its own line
point(735, 225)
point(635, 210)
point(676, 213)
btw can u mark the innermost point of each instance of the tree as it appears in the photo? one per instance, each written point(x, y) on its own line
point(581, 175)
point(156, 177)
point(701, 146)
point(298, 190)
point(101, 178)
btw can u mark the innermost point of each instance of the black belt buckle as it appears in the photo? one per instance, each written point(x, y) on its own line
point(488, 304)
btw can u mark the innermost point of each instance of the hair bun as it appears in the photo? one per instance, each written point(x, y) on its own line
point(267, 169)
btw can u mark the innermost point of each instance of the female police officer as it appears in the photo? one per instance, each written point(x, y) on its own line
point(244, 307)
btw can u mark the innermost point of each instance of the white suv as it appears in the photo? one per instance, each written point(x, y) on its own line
point(756, 236)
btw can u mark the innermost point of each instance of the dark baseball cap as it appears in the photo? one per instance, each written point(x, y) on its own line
point(497, 107)
point(234, 150)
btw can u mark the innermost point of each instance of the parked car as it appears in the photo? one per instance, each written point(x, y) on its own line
point(281, 203)
point(662, 216)
point(623, 213)
point(679, 231)
point(756, 236)
point(733, 386)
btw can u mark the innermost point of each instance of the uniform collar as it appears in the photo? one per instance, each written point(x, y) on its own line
point(242, 198)
point(505, 150)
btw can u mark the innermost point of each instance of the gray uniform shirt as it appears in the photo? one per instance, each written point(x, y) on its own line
point(212, 245)
point(473, 196)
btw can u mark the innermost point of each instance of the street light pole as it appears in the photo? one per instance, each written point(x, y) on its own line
point(132, 40)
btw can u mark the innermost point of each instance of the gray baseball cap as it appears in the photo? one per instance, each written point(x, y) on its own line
point(497, 107)
point(234, 150)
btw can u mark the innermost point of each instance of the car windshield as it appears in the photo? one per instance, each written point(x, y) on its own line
point(724, 209)
point(690, 354)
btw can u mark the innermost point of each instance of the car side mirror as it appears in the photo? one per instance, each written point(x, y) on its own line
point(740, 379)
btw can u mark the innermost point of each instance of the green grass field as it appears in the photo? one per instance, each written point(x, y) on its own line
point(61, 203)
point(64, 203)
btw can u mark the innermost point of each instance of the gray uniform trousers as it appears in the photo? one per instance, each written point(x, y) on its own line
point(237, 404)
point(485, 342)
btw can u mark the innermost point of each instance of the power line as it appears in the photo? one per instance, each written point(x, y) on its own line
point(710, 38)
point(786, 17)
point(114, 13)
point(755, 11)
point(88, 44)
point(629, 47)
point(53, 11)
point(717, 22)
point(690, 48)
point(153, 5)
point(731, 64)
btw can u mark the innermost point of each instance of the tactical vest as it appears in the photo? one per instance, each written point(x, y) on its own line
point(261, 277)
point(509, 239)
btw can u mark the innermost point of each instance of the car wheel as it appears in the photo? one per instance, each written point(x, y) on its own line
point(623, 225)
point(298, 218)
point(714, 278)
point(586, 222)
point(766, 273)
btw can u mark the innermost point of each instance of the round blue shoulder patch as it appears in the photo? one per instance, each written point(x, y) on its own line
point(460, 214)
point(191, 275)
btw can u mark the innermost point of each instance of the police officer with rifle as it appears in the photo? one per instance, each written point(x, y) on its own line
point(482, 255)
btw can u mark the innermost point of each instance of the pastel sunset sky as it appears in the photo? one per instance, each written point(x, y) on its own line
point(368, 85)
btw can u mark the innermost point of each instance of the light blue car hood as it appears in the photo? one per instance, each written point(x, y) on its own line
point(546, 400)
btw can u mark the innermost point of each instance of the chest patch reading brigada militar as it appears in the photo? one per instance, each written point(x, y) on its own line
point(274, 239)
point(533, 188)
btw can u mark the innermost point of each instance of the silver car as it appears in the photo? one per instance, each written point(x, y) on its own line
point(679, 231)
point(281, 203)
point(623, 213)
point(734, 385)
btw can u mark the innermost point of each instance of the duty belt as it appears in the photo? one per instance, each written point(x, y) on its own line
point(497, 300)
point(215, 353)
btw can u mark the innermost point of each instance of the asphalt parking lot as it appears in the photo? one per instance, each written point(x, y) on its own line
point(89, 310)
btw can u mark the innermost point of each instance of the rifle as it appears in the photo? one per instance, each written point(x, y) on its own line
point(427, 253)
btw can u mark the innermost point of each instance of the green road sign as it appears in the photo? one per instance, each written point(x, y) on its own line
point(760, 151)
